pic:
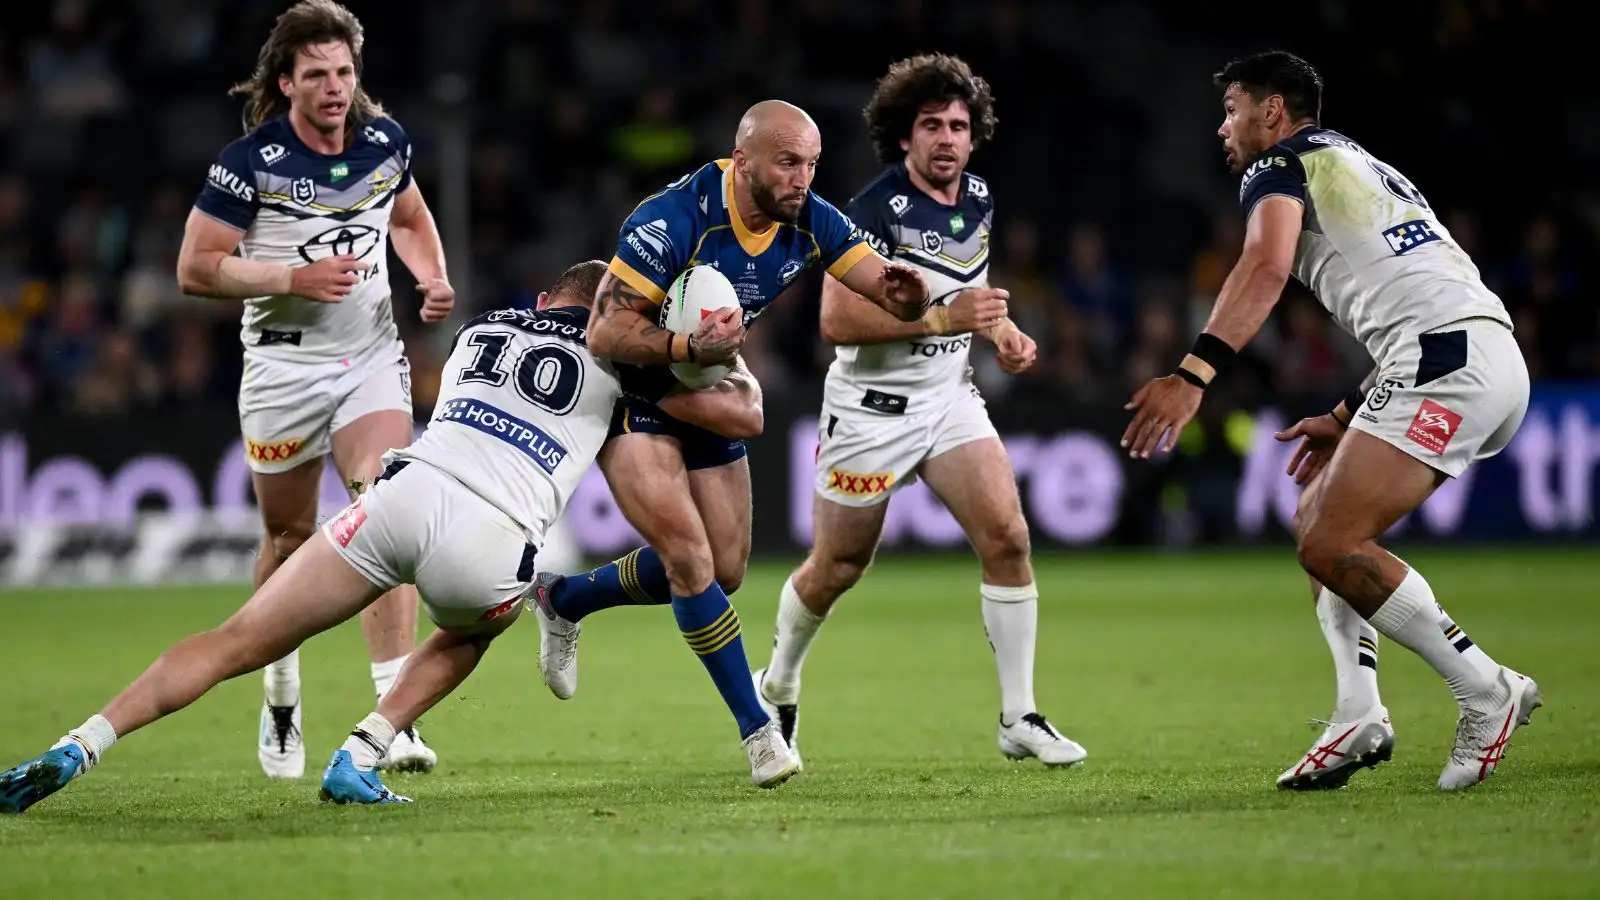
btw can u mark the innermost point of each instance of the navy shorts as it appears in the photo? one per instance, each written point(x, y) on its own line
point(702, 449)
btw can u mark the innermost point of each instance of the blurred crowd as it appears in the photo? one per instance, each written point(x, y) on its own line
point(1116, 223)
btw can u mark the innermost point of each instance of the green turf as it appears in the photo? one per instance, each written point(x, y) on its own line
point(1188, 678)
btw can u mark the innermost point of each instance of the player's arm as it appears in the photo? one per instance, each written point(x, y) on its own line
point(731, 407)
point(849, 318)
point(1253, 287)
point(207, 267)
point(622, 326)
point(1345, 412)
point(896, 288)
point(416, 241)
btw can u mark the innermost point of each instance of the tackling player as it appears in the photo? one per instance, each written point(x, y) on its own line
point(687, 489)
point(295, 218)
point(900, 403)
point(1450, 388)
point(523, 410)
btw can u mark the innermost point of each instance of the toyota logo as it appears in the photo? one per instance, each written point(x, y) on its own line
point(341, 240)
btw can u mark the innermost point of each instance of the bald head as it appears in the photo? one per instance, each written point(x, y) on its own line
point(772, 120)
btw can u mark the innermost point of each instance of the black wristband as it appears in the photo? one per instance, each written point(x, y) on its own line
point(1214, 352)
point(1190, 377)
point(1353, 402)
point(689, 343)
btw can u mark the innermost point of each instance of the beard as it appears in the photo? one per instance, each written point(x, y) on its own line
point(767, 201)
point(935, 178)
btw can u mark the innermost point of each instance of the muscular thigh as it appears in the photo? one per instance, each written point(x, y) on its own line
point(288, 499)
point(975, 482)
point(651, 487)
point(1368, 485)
point(845, 535)
point(722, 495)
point(358, 446)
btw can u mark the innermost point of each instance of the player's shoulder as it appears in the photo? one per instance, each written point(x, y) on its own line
point(690, 196)
point(1314, 140)
point(384, 132)
point(568, 323)
point(887, 191)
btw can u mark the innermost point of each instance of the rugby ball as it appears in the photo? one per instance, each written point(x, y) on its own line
point(697, 293)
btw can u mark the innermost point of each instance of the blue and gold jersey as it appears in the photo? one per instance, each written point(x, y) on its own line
point(296, 206)
point(695, 222)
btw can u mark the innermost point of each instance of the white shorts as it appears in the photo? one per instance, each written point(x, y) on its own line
point(861, 461)
point(288, 411)
point(1450, 397)
point(417, 525)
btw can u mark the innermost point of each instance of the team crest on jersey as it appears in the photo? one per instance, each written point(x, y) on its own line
point(375, 136)
point(932, 242)
point(303, 191)
point(790, 270)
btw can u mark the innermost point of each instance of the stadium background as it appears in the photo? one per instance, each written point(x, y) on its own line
point(538, 125)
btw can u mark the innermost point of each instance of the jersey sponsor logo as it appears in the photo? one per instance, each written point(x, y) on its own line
point(303, 191)
point(339, 170)
point(527, 438)
point(271, 153)
point(977, 188)
point(1263, 165)
point(899, 203)
point(1433, 427)
point(268, 337)
point(1408, 236)
point(958, 223)
point(652, 242)
point(871, 240)
point(343, 527)
point(342, 240)
point(279, 451)
point(859, 484)
point(930, 349)
point(223, 180)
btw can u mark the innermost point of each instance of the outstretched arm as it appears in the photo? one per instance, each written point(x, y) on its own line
point(731, 407)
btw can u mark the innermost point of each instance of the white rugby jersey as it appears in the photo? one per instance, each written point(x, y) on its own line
point(1370, 247)
point(523, 410)
point(950, 246)
point(297, 206)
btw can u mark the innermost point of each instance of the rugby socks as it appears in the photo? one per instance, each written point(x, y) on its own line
point(1354, 645)
point(711, 627)
point(1414, 620)
point(384, 673)
point(283, 680)
point(638, 579)
point(1011, 620)
point(96, 736)
point(797, 628)
point(370, 742)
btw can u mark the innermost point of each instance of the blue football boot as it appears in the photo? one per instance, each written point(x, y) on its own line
point(27, 784)
point(344, 783)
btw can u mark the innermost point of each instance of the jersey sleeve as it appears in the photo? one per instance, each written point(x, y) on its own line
point(837, 238)
point(401, 143)
point(1278, 172)
point(229, 194)
point(873, 221)
point(654, 244)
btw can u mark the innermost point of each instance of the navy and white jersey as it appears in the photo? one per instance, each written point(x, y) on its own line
point(950, 246)
point(1370, 248)
point(296, 206)
point(523, 410)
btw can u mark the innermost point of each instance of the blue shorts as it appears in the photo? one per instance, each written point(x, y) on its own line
point(702, 449)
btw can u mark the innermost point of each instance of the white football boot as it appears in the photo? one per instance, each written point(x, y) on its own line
point(558, 639)
point(1034, 736)
point(409, 753)
point(1485, 729)
point(280, 749)
point(787, 715)
point(1344, 749)
point(771, 761)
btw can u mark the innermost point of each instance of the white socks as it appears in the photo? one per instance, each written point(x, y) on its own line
point(1413, 619)
point(384, 673)
point(283, 680)
point(95, 735)
point(797, 628)
point(1354, 644)
point(1011, 618)
point(370, 742)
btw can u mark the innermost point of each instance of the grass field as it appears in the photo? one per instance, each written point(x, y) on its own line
point(1189, 679)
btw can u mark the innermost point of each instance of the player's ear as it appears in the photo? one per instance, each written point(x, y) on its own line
point(285, 83)
point(544, 300)
point(905, 145)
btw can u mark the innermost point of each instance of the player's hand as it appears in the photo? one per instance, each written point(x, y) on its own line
point(905, 292)
point(1319, 437)
point(438, 298)
point(977, 309)
point(1017, 350)
point(327, 280)
point(1165, 405)
point(718, 337)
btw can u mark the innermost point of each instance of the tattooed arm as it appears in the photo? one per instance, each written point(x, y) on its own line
point(622, 327)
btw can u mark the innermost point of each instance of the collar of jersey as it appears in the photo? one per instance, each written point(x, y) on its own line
point(296, 144)
point(752, 244)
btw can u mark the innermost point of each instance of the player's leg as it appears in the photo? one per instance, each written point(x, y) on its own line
point(721, 492)
point(314, 590)
point(1358, 734)
point(474, 566)
point(1462, 408)
point(971, 474)
point(372, 419)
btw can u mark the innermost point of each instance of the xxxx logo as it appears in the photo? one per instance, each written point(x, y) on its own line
point(277, 452)
point(859, 484)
